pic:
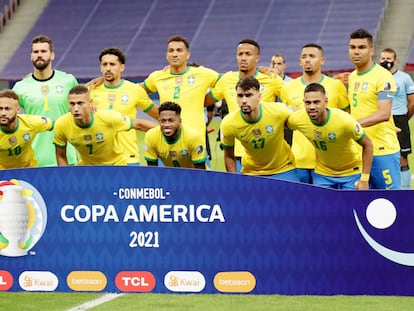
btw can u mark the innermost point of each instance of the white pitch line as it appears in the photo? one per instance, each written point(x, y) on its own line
point(96, 302)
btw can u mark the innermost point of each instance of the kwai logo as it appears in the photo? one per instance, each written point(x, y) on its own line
point(23, 217)
point(381, 214)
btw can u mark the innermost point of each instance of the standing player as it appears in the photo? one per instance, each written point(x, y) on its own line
point(183, 84)
point(259, 128)
point(402, 110)
point(248, 56)
point(278, 65)
point(370, 92)
point(123, 96)
point(311, 60)
point(174, 143)
point(18, 132)
point(45, 93)
point(93, 133)
point(334, 134)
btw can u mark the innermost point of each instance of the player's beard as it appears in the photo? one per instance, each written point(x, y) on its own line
point(41, 65)
point(7, 121)
point(247, 110)
point(172, 136)
point(109, 77)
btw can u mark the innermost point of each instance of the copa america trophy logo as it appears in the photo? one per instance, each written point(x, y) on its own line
point(23, 217)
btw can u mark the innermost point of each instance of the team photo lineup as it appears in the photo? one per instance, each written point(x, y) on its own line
point(349, 131)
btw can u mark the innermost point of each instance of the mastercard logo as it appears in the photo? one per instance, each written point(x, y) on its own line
point(234, 282)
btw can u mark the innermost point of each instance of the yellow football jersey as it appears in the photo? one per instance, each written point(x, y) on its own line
point(126, 98)
point(225, 88)
point(334, 141)
point(187, 89)
point(97, 143)
point(363, 92)
point(266, 151)
point(292, 95)
point(16, 147)
point(186, 150)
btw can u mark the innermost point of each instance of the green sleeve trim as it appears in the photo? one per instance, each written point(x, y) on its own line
point(226, 146)
point(203, 160)
point(151, 160)
point(150, 107)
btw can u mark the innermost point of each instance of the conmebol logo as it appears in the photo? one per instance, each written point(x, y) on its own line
point(23, 217)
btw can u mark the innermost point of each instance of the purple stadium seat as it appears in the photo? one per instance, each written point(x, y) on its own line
point(81, 28)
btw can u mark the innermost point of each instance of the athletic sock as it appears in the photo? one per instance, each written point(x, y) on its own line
point(405, 178)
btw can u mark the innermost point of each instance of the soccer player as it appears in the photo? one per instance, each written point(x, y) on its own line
point(174, 143)
point(333, 134)
point(311, 60)
point(18, 132)
point(94, 134)
point(370, 92)
point(45, 93)
point(402, 110)
point(248, 56)
point(183, 84)
point(278, 64)
point(123, 96)
point(259, 128)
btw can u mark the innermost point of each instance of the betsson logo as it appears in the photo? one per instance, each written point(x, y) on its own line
point(6, 280)
point(234, 282)
point(86, 281)
point(135, 281)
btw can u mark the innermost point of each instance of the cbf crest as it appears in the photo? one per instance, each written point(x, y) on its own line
point(257, 133)
point(12, 140)
point(269, 129)
point(44, 89)
point(318, 135)
point(191, 80)
point(178, 81)
point(88, 138)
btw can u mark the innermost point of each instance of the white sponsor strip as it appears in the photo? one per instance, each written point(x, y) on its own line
point(96, 302)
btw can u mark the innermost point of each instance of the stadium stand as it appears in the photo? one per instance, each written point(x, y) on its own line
point(410, 59)
point(7, 8)
point(81, 28)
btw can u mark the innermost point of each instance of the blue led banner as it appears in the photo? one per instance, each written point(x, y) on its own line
point(164, 230)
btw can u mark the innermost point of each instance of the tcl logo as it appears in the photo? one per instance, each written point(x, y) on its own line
point(6, 280)
point(135, 281)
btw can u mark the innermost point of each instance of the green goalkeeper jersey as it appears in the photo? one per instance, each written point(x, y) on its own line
point(48, 98)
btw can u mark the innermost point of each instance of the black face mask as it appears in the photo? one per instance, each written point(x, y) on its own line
point(387, 65)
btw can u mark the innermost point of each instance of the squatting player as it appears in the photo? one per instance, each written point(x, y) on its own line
point(260, 129)
point(173, 143)
point(93, 133)
point(334, 135)
point(18, 132)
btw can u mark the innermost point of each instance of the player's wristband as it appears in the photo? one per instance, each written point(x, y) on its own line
point(364, 177)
